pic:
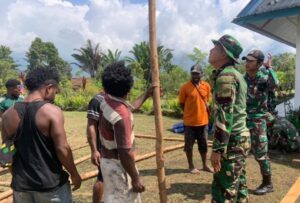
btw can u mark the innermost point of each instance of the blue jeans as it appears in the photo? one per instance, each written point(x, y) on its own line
point(61, 195)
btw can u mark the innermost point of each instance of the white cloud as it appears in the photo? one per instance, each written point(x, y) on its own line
point(117, 24)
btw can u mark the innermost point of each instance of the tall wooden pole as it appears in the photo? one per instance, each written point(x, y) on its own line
point(156, 103)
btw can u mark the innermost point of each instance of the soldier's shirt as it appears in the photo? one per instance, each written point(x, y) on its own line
point(261, 92)
point(230, 92)
point(6, 102)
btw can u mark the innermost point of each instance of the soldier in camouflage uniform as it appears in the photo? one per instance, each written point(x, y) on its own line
point(262, 83)
point(282, 134)
point(231, 142)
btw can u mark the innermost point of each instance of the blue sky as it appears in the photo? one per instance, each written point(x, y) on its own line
point(119, 24)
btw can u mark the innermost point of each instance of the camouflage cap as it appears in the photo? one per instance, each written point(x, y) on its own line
point(196, 69)
point(255, 55)
point(231, 46)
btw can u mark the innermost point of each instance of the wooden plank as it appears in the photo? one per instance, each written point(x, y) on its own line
point(293, 193)
point(6, 194)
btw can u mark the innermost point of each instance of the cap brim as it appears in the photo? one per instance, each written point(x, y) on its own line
point(250, 58)
point(195, 71)
point(227, 52)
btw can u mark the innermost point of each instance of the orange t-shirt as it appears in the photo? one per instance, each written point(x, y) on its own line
point(195, 113)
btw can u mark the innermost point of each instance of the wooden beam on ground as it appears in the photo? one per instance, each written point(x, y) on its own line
point(293, 193)
point(80, 146)
point(154, 138)
point(4, 184)
point(6, 194)
point(4, 171)
point(82, 159)
point(92, 174)
point(166, 138)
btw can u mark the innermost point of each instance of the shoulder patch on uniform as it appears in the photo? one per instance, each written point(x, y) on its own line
point(228, 79)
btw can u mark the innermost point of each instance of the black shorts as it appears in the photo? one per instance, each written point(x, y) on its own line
point(192, 133)
point(99, 176)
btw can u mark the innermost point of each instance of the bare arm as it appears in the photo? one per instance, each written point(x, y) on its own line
point(63, 150)
point(142, 98)
point(92, 139)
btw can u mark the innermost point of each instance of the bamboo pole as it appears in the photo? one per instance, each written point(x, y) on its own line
point(156, 101)
point(166, 138)
point(82, 159)
point(92, 174)
point(80, 146)
point(6, 194)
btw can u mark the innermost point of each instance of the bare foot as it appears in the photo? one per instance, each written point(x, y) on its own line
point(194, 171)
point(207, 169)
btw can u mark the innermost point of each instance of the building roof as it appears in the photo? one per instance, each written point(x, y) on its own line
point(276, 19)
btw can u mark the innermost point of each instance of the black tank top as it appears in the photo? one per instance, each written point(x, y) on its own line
point(35, 164)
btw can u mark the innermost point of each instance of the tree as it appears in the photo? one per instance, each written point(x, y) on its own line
point(89, 58)
point(8, 67)
point(285, 64)
point(141, 59)
point(198, 57)
point(46, 54)
point(171, 81)
point(111, 57)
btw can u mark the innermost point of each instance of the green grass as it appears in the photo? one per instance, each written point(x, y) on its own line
point(182, 186)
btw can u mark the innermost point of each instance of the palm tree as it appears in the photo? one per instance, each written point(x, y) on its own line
point(111, 57)
point(141, 58)
point(89, 58)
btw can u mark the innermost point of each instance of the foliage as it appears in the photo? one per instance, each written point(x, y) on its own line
point(89, 58)
point(284, 65)
point(198, 57)
point(8, 67)
point(46, 54)
point(140, 62)
point(171, 81)
point(69, 99)
point(111, 57)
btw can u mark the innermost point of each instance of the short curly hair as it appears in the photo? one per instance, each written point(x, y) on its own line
point(117, 79)
point(38, 77)
point(12, 83)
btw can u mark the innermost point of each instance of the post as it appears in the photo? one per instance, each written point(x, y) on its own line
point(297, 80)
point(156, 102)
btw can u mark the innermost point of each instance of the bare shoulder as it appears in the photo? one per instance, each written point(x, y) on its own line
point(50, 111)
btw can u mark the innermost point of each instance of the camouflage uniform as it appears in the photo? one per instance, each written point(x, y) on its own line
point(231, 136)
point(258, 103)
point(283, 135)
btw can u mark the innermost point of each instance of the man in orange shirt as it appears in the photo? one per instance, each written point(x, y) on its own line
point(193, 98)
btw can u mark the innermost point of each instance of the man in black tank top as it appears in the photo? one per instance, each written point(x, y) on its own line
point(42, 149)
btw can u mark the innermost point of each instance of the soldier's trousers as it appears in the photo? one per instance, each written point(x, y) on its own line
point(229, 185)
point(259, 143)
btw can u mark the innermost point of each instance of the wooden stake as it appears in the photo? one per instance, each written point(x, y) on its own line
point(156, 103)
point(6, 194)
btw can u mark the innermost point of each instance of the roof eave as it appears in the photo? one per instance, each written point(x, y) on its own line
point(267, 15)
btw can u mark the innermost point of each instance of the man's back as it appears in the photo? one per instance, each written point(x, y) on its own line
point(36, 166)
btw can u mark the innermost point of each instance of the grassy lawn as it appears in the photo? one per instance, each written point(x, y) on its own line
point(182, 186)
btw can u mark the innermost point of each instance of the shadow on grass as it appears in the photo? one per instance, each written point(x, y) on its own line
point(289, 159)
point(191, 191)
